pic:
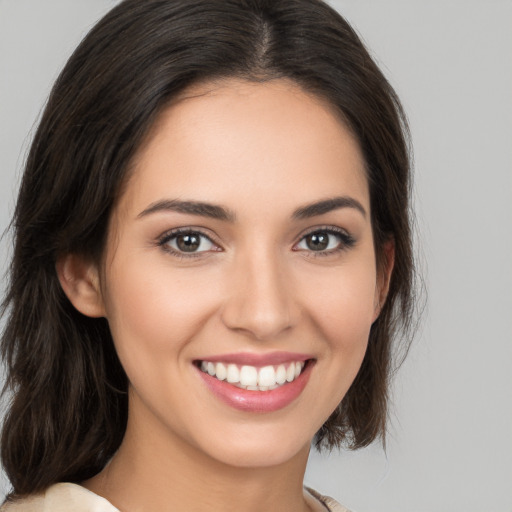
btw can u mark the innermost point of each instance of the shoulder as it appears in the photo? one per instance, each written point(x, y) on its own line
point(61, 497)
point(329, 503)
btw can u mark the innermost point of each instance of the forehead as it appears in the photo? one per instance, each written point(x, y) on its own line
point(236, 141)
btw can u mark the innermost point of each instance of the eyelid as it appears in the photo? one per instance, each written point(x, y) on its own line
point(346, 239)
point(165, 237)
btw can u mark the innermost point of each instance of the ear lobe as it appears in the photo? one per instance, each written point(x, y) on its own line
point(81, 284)
point(384, 271)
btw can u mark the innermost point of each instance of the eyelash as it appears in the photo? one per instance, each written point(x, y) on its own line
point(346, 241)
point(164, 240)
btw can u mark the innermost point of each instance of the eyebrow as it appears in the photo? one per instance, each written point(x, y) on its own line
point(212, 211)
point(328, 205)
point(218, 212)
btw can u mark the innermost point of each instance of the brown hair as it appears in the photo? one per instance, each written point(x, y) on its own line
point(68, 411)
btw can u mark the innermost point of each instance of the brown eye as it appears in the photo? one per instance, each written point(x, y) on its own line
point(188, 242)
point(325, 241)
point(318, 241)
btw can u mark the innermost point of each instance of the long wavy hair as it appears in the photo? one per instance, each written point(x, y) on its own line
point(67, 391)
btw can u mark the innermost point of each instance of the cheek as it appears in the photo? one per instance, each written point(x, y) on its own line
point(152, 310)
point(343, 306)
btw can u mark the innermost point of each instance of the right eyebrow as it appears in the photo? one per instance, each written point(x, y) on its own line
point(213, 211)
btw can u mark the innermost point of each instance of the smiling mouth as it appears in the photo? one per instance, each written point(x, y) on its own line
point(252, 378)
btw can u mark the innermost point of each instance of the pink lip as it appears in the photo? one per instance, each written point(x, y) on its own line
point(257, 401)
point(258, 360)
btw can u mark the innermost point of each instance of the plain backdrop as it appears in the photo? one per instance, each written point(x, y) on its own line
point(450, 442)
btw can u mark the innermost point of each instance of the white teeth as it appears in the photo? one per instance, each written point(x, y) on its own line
point(221, 371)
point(267, 376)
point(233, 374)
point(290, 372)
point(248, 376)
point(254, 379)
point(281, 374)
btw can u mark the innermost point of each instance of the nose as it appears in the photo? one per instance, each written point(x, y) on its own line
point(260, 300)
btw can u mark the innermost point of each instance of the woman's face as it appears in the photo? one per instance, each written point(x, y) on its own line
point(241, 254)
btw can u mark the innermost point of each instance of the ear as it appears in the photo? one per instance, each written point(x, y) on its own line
point(81, 283)
point(384, 272)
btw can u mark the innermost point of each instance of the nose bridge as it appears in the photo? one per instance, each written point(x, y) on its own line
point(260, 300)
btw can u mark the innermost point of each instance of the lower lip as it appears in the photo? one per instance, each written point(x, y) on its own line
point(258, 401)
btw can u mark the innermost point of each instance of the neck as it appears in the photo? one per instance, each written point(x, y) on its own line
point(160, 472)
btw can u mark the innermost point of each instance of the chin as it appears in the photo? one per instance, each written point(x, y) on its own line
point(260, 450)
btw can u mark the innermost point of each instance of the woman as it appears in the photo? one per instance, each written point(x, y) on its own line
point(212, 256)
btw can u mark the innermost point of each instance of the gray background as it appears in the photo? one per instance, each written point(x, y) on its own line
point(450, 443)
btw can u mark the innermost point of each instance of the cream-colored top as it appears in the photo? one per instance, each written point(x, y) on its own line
point(66, 497)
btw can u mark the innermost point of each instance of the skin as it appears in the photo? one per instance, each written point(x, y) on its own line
point(262, 151)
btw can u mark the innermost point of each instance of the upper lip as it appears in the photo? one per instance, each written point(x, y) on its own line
point(255, 359)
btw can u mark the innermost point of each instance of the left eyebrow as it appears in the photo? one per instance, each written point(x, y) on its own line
point(328, 205)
